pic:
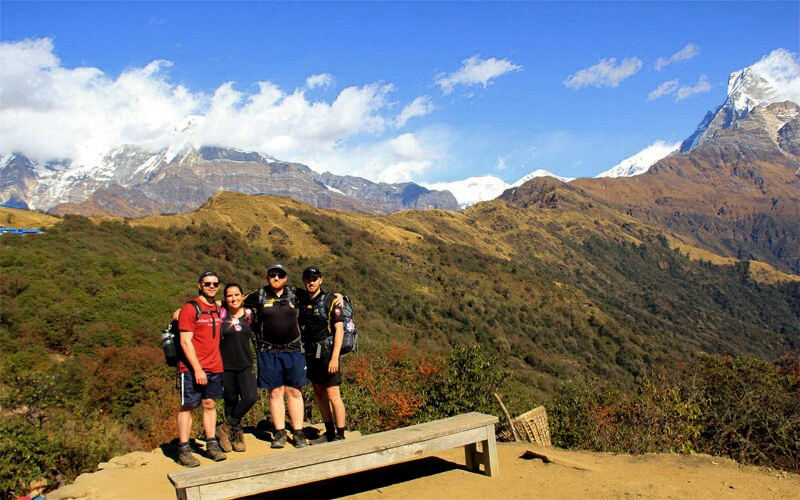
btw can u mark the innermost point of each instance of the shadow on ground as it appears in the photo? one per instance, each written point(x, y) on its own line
point(369, 480)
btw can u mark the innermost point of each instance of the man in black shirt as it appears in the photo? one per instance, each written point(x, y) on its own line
point(281, 364)
point(322, 328)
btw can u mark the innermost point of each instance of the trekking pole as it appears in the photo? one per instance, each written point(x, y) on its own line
point(505, 412)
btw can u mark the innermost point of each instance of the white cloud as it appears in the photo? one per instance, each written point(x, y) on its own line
point(703, 85)
point(665, 88)
point(606, 73)
point(320, 80)
point(421, 106)
point(781, 69)
point(50, 111)
point(689, 51)
point(476, 71)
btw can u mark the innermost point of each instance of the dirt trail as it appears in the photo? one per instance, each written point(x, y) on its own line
point(525, 472)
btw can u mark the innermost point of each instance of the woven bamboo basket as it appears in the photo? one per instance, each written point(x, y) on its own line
point(532, 426)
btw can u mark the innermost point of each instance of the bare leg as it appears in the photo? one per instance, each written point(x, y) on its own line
point(334, 397)
point(322, 402)
point(294, 400)
point(277, 408)
point(184, 424)
point(209, 418)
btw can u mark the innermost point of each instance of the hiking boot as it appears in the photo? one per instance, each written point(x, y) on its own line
point(224, 433)
point(214, 451)
point(238, 440)
point(300, 439)
point(338, 438)
point(280, 439)
point(186, 458)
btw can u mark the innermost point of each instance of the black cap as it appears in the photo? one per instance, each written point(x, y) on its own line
point(206, 274)
point(312, 271)
point(277, 266)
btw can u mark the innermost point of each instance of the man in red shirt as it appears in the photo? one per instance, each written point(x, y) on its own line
point(200, 369)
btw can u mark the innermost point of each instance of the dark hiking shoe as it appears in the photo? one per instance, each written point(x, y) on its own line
point(214, 451)
point(186, 458)
point(300, 439)
point(338, 438)
point(237, 441)
point(280, 439)
point(224, 433)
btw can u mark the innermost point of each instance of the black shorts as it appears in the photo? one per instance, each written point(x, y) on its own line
point(318, 369)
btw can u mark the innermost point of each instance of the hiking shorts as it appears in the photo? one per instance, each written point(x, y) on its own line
point(278, 369)
point(192, 394)
point(318, 370)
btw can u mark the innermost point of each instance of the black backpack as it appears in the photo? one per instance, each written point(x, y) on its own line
point(170, 337)
point(350, 340)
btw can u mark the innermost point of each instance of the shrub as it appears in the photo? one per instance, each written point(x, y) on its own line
point(750, 410)
point(743, 408)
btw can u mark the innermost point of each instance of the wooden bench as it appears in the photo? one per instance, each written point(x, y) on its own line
point(280, 470)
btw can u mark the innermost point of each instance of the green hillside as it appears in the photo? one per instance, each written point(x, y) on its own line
point(551, 294)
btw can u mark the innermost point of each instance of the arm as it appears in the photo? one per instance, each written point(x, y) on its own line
point(338, 337)
point(251, 300)
point(191, 358)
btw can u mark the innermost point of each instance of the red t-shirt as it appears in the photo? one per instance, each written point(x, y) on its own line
point(206, 335)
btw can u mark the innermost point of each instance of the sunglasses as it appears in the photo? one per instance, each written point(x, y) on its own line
point(211, 284)
point(276, 275)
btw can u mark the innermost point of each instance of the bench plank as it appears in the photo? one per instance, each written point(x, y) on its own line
point(259, 474)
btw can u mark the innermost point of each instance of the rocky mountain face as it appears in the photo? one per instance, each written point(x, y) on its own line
point(133, 183)
point(734, 191)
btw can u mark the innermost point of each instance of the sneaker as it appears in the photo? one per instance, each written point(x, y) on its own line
point(338, 438)
point(300, 439)
point(280, 439)
point(224, 433)
point(186, 458)
point(238, 440)
point(214, 451)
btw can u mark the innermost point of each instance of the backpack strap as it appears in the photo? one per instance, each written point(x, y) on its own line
point(216, 310)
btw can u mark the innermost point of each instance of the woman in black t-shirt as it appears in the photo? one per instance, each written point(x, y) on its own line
point(239, 378)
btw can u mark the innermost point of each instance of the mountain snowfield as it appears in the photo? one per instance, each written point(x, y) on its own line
point(775, 78)
point(487, 187)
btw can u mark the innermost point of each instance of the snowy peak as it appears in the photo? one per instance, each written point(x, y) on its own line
point(541, 173)
point(486, 187)
point(641, 161)
point(472, 189)
point(773, 79)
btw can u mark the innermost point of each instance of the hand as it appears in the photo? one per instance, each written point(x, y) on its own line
point(333, 366)
point(200, 377)
point(339, 302)
point(176, 315)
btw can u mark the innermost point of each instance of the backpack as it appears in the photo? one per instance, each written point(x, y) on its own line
point(350, 340)
point(170, 337)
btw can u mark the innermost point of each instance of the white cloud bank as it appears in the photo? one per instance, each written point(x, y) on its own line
point(689, 51)
point(476, 71)
point(48, 111)
point(681, 92)
point(781, 69)
point(606, 73)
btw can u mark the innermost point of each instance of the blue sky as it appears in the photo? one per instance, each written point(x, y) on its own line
point(423, 91)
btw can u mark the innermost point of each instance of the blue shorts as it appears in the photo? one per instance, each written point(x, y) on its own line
point(192, 393)
point(281, 369)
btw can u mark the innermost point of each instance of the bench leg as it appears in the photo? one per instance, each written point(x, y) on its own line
point(487, 456)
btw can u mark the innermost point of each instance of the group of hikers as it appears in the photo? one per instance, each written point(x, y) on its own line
point(298, 334)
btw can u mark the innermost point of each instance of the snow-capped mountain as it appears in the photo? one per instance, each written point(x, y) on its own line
point(773, 79)
point(641, 161)
point(487, 187)
point(133, 182)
